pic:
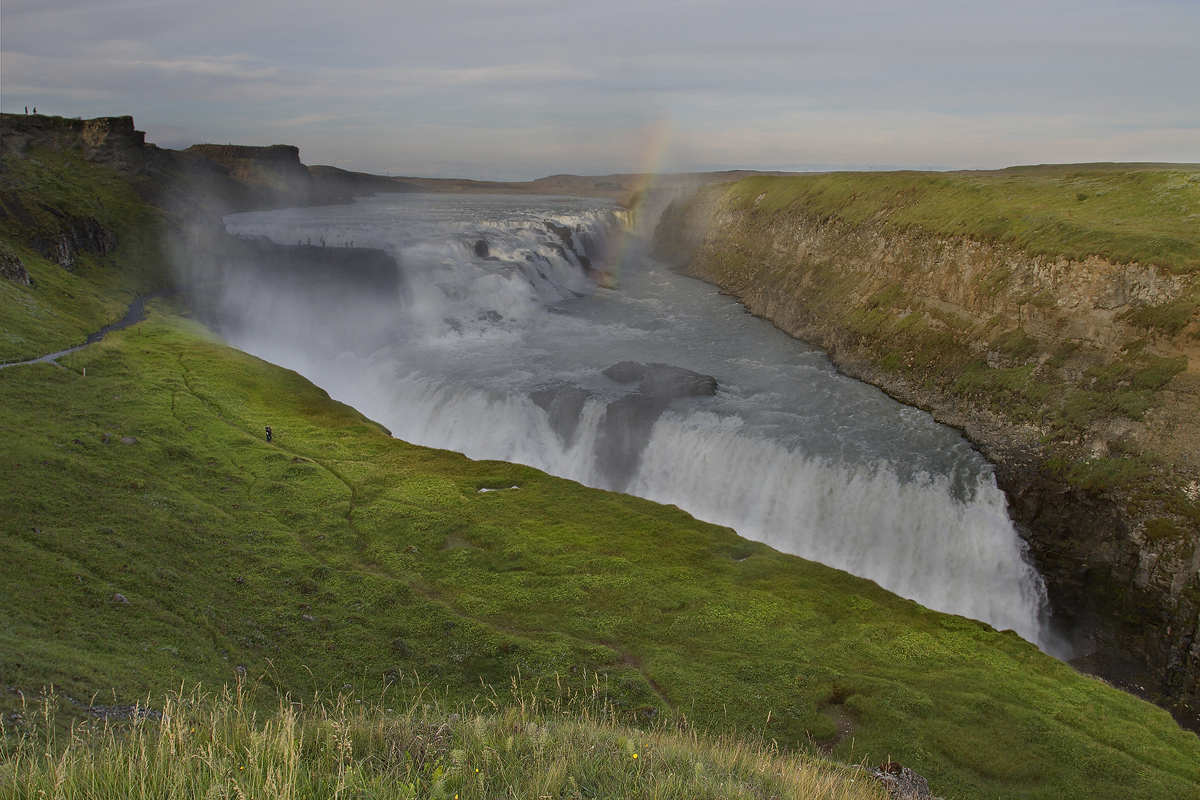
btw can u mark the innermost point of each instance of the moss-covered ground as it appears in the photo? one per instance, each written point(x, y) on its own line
point(337, 555)
point(151, 537)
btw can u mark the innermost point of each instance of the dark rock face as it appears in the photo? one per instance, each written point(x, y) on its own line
point(11, 206)
point(12, 267)
point(901, 782)
point(211, 190)
point(481, 248)
point(111, 141)
point(56, 235)
point(274, 171)
point(358, 269)
point(564, 405)
point(568, 240)
point(231, 156)
point(221, 179)
point(263, 278)
point(625, 433)
point(114, 140)
point(74, 235)
point(628, 420)
point(1118, 624)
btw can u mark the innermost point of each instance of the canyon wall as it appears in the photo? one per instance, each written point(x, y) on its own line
point(1077, 378)
point(207, 179)
point(111, 141)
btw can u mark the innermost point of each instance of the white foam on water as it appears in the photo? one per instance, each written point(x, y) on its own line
point(914, 537)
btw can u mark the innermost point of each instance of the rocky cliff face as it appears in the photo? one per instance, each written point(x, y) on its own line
point(275, 172)
point(213, 180)
point(111, 141)
point(1079, 379)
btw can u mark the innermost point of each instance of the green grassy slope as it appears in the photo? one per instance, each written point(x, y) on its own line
point(1148, 215)
point(336, 558)
point(338, 555)
point(62, 307)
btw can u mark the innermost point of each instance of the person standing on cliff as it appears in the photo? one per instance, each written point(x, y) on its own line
point(268, 433)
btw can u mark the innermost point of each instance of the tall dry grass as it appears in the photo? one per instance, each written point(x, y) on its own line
point(520, 746)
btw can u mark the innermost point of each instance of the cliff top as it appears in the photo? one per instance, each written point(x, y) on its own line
point(1146, 215)
point(112, 141)
point(227, 155)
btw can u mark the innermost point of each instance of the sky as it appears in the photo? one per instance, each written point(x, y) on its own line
point(518, 89)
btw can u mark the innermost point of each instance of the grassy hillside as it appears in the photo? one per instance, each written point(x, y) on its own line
point(45, 197)
point(151, 537)
point(336, 555)
point(1125, 215)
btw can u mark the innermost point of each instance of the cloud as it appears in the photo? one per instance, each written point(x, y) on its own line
point(761, 80)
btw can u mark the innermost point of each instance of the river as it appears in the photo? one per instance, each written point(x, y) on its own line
point(534, 330)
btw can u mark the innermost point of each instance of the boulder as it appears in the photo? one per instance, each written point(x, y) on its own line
point(901, 782)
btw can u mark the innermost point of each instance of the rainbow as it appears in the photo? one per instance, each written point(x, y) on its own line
point(656, 141)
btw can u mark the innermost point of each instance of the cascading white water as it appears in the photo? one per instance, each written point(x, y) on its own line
point(861, 518)
point(497, 342)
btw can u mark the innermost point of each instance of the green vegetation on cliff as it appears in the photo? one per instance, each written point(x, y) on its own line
point(1049, 312)
point(88, 242)
point(937, 335)
point(1125, 215)
point(151, 538)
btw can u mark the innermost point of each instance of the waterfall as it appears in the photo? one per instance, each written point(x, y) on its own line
point(501, 340)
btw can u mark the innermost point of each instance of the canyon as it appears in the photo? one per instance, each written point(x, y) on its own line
point(1077, 377)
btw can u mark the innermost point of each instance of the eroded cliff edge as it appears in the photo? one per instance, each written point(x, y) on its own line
point(1077, 376)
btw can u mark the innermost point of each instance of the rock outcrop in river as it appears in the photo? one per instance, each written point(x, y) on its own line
point(629, 419)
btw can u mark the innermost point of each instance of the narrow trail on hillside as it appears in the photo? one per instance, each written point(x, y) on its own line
point(133, 315)
point(416, 582)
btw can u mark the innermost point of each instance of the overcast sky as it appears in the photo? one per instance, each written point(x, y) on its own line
point(517, 89)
